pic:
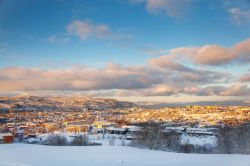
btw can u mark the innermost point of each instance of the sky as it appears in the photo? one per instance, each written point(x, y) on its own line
point(143, 50)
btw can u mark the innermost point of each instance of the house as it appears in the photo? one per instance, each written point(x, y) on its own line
point(6, 138)
point(51, 127)
point(132, 129)
point(130, 137)
point(116, 130)
point(23, 130)
point(103, 124)
point(192, 131)
point(77, 128)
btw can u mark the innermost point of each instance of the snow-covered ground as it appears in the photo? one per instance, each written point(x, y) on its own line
point(199, 140)
point(40, 155)
point(121, 139)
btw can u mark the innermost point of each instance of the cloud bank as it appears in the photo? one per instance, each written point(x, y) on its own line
point(208, 55)
point(162, 76)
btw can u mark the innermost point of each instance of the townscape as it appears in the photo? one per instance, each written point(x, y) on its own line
point(20, 121)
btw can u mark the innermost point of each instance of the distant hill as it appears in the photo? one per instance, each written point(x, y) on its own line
point(36, 103)
point(201, 103)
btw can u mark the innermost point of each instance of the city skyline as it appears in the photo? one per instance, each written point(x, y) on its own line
point(155, 50)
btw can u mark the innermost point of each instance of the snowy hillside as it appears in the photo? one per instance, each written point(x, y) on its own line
point(39, 155)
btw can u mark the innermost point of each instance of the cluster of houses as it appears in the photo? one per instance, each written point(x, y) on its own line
point(192, 131)
point(24, 132)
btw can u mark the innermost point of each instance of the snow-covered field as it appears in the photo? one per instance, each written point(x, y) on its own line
point(39, 155)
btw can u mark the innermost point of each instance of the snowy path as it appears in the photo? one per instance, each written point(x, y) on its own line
point(38, 155)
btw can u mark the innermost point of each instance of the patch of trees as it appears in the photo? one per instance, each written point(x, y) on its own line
point(152, 136)
point(230, 140)
point(234, 139)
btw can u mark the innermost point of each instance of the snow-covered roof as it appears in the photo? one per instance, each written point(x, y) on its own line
point(20, 131)
point(133, 128)
point(115, 129)
point(190, 130)
point(32, 140)
point(175, 128)
point(5, 134)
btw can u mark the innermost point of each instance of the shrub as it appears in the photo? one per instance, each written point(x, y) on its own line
point(186, 148)
point(56, 140)
point(81, 140)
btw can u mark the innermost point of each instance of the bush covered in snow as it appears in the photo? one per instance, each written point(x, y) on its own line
point(62, 140)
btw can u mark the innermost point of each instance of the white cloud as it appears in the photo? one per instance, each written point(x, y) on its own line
point(86, 29)
point(172, 8)
point(59, 39)
point(239, 16)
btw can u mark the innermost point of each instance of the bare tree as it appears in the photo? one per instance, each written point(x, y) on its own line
point(234, 139)
point(112, 141)
point(122, 142)
point(150, 137)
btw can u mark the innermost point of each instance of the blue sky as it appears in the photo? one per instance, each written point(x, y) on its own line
point(60, 35)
